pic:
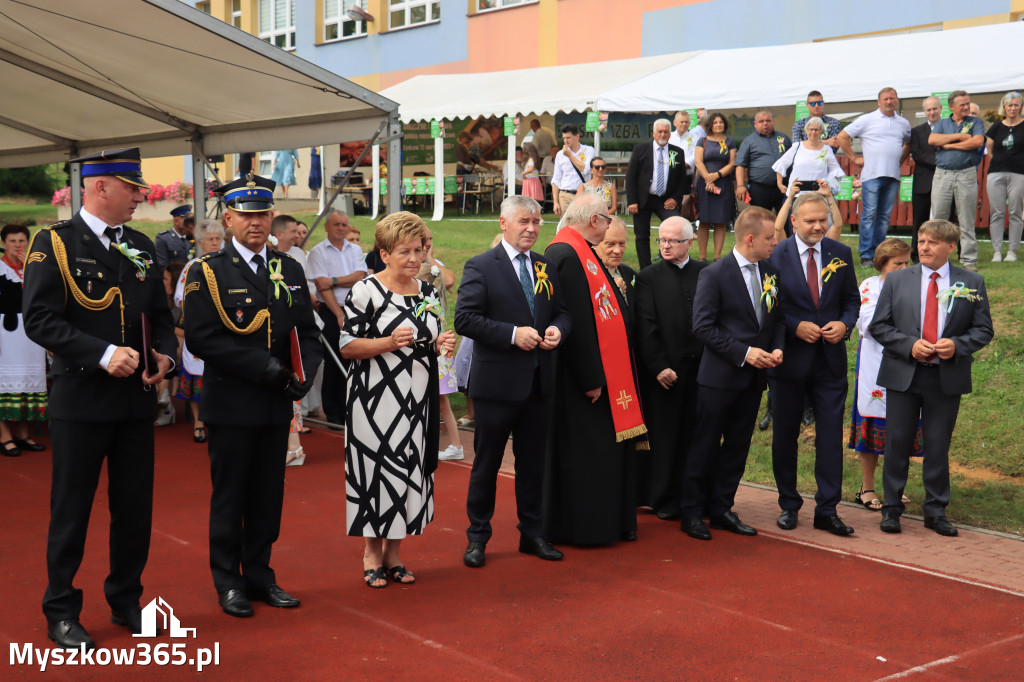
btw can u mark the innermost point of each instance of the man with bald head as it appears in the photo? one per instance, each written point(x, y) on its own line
point(669, 354)
point(611, 249)
point(90, 285)
point(655, 183)
point(589, 488)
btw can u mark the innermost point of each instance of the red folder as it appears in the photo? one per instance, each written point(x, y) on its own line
point(297, 368)
point(147, 344)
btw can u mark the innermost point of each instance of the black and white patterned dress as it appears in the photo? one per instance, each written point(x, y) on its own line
point(389, 482)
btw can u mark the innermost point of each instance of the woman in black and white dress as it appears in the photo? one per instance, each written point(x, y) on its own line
point(394, 334)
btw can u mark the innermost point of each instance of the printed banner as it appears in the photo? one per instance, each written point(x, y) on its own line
point(907, 188)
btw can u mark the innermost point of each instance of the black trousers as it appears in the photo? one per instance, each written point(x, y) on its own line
point(938, 412)
point(642, 225)
point(527, 421)
point(79, 449)
point(719, 449)
point(827, 395)
point(247, 470)
point(332, 390)
point(766, 196)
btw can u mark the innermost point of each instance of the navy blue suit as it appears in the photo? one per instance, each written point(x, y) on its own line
point(815, 371)
point(510, 387)
point(729, 389)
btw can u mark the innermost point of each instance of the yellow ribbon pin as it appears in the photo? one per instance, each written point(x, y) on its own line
point(543, 281)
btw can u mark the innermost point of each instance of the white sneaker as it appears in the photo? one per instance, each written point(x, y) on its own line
point(1011, 257)
point(998, 258)
point(451, 453)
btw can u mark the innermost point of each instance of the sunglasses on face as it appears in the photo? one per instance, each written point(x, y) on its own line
point(598, 167)
point(816, 104)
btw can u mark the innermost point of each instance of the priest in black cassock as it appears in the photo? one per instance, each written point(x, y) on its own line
point(590, 489)
point(668, 355)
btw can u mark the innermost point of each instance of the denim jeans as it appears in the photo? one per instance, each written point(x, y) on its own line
point(878, 196)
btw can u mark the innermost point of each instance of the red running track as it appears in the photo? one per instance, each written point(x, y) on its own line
point(664, 607)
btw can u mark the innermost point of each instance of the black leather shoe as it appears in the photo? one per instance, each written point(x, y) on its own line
point(539, 547)
point(28, 445)
point(890, 522)
point(695, 528)
point(474, 556)
point(272, 595)
point(787, 519)
point(668, 515)
point(730, 522)
point(833, 524)
point(235, 603)
point(69, 634)
point(765, 422)
point(130, 618)
point(941, 525)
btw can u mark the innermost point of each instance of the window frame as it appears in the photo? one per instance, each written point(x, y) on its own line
point(288, 31)
point(408, 6)
point(502, 4)
point(340, 20)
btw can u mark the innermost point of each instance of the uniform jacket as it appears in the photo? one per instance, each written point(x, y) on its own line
point(215, 322)
point(170, 248)
point(72, 307)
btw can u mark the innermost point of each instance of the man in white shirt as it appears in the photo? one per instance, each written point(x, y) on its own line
point(333, 266)
point(685, 138)
point(572, 168)
point(541, 137)
point(885, 136)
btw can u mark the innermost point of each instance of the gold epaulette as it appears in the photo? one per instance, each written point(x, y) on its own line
point(257, 322)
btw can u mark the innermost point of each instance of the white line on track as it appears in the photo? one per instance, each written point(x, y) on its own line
point(886, 562)
point(948, 659)
point(480, 664)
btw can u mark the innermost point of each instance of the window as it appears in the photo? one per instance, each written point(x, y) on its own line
point(277, 22)
point(337, 24)
point(412, 12)
point(236, 13)
point(484, 5)
point(203, 7)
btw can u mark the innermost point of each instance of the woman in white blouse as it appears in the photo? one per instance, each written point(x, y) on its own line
point(809, 160)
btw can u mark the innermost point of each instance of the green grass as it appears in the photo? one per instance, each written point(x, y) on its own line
point(988, 488)
point(26, 212)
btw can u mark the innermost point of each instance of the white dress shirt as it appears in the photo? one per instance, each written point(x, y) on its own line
point(805, 251)
point(565, 176)
point(882, 138)
point(943, 283)
point(513, 255)
point(326, 260)
point(660, 156)
point(247, 254)
point(743, 263)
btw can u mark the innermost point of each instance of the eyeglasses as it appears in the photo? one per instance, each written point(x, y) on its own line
point(673, 242)
point(601, 167)
point(606, 217)
point(816, 104)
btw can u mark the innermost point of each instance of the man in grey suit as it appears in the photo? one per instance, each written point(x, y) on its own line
point(926, 373)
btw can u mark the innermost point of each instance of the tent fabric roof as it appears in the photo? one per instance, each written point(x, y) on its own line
point(85, 76)
point(520, 91)
point(854, 70)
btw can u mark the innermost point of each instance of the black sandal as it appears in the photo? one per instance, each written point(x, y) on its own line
point(199, 434)
point(399, 573)
point(372, 575)
point(873, 505)
point(9, 448)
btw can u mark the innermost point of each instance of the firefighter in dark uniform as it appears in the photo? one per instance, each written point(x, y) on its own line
point(88, 283)
point(240, 306)
point(175, 245)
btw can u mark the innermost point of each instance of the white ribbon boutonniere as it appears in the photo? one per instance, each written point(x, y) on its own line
point(949, 296)
point(138, 259)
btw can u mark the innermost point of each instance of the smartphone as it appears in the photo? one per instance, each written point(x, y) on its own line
point(807, 185)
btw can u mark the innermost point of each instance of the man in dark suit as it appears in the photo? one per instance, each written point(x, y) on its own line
point(89, 282)
point(174, 245)
point(737, 313)
point(924, 167)
point(656, 182)
point(925, 373)
point(669, 355)
point(507, 296)
point(818, 288)
point(610, 250)
point(240, 307)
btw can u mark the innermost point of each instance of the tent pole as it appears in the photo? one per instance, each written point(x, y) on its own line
point(394, 196)
point(76, 187)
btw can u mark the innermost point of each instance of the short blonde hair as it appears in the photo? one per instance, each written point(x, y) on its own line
point(889, 248)
point(943, 230)
point(399, 228)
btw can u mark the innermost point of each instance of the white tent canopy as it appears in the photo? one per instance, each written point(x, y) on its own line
point(978, 60)
point(83, 76)
point(542, 90)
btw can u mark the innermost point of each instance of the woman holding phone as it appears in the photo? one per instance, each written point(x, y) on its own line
point(809, 161)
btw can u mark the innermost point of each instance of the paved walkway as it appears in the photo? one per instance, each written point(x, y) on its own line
point(976, 556)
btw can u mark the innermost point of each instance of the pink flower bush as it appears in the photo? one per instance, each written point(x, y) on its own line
point(179, 192)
